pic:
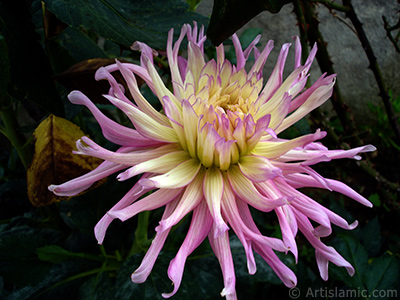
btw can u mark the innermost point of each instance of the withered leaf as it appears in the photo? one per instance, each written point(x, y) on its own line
point(53, 161)
point(51, 25)
point(81, 77)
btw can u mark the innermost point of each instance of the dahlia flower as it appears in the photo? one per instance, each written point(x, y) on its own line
point(215, 151)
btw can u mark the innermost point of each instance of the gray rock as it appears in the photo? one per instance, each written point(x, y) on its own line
point(356, 80)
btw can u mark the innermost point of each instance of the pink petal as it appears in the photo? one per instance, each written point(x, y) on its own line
point(112, 131)
point(116, 89)
point(101, 227)
point(275, 79)
point(258, 168)
point(162, 164)
point(271, 150)
point(81, 183)
point(198, 231)
point(222, 250)
point(142, 103)
point(261, 58)
point(231, 211)
point(246, 191)
point(141, 273)
point(146, 51)
point(178, 177)
point(213, 189)
point(229, 197)
point(325, 253)
point(281, 270)
point(287, 233)
point(151, 202)
point(126, 156)
point(302, 180)
point(284, 273)
point(240, 59)
point(138, 70)
point(316, 99)
point(144, 124)
point(190, 200)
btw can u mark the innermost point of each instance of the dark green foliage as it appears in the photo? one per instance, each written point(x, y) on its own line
point(230, 15)
point(125, 22)
point(30, 69)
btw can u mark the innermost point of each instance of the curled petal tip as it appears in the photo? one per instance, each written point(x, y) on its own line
point(100, 74)
point(99, 237)
point(123, 176)
point(117, 215)
point(229, 293)
point(161, 228)
point(137, 277)
point(350, 270)
point(220, 230)
point(353, 225)
point(76, 97)
point(146, 183)
point(166, 295)
point(369, 148)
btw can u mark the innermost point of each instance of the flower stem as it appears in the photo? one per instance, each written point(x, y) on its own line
point(141, 231)
point(141, 241)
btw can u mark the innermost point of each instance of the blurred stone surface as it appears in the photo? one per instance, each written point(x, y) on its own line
point(356, 80)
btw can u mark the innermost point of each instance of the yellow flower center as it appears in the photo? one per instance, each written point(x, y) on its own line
point(219, 123)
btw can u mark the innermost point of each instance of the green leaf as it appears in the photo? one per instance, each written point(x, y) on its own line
point(79, 45)
point(125, 289)
point(248, 36)
point(83, 212)
point(230, 15)
point(381, 276)
point(53, 254)
point(202, 279)
point(62, 283)
point(97, 288)
point(352, 250)
point(193, 4)
point(371, 237)
point(56, 254)
point(264, 273)
point(18, 261)
point(70, 47)
point(375, 199)
point(126, 21)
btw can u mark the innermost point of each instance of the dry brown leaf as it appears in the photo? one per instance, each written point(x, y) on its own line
point(53, 161)
point(51, 24)
point(81, 77)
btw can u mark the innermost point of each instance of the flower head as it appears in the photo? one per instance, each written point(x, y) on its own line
point(215, 152)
